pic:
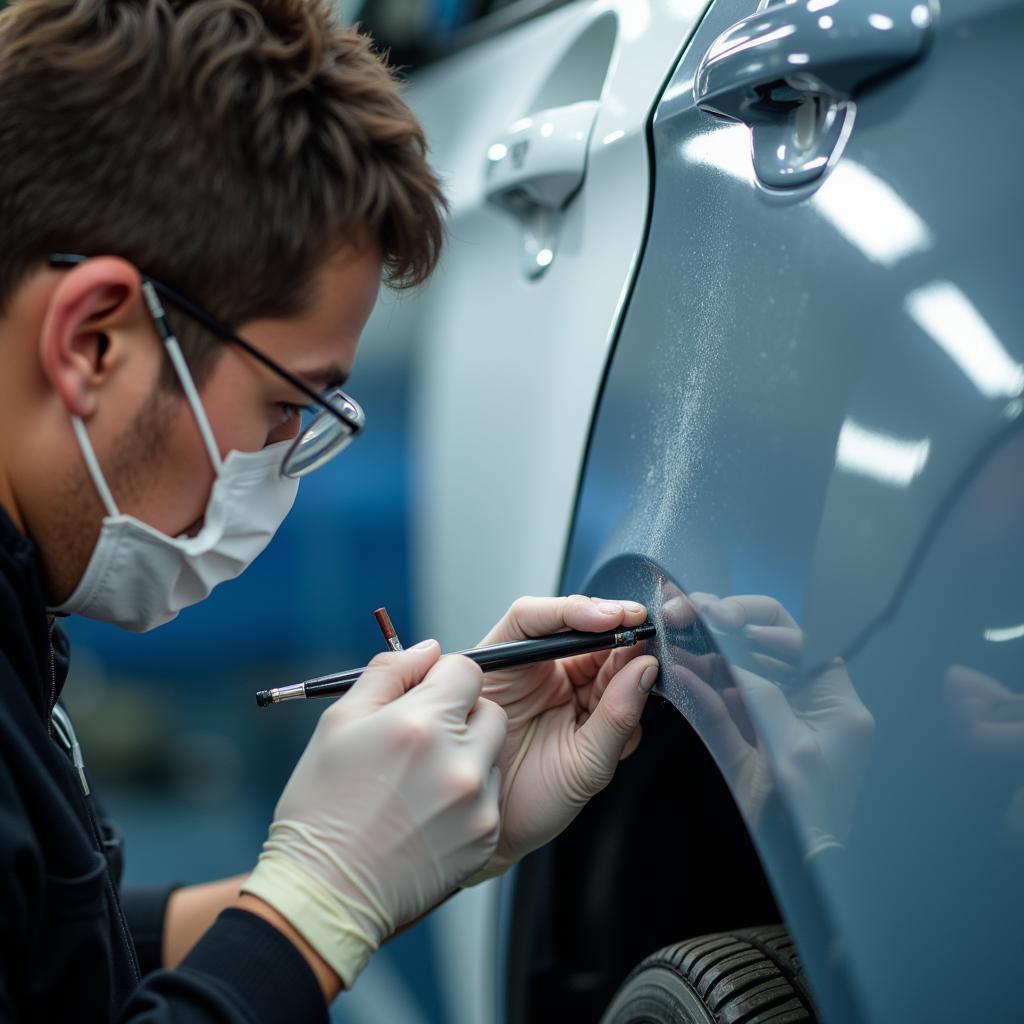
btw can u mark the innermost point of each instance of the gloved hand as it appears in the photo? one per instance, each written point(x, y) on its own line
point(393, 803)
point(570, 721)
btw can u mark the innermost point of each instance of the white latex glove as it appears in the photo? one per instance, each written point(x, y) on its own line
point(570, 721)
point(393, 803)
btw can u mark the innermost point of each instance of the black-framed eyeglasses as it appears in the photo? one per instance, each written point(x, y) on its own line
point(327, 425)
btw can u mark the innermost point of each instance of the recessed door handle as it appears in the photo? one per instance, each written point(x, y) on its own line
point(540, 160)
point(533, 171)
point(790, 71)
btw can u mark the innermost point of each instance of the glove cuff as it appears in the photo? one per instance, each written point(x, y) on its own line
point(316, 911)
point(492, 869)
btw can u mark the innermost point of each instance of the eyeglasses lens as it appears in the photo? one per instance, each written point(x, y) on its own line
point(322, 436)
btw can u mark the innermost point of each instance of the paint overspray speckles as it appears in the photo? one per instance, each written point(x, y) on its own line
point(668, 685)
point(683, 410)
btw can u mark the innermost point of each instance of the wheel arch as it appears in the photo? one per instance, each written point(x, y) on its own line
point(661, 854)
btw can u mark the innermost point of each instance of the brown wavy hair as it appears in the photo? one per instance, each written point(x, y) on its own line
point(227, 147)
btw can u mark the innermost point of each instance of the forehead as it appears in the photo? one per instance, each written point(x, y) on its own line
point(326, 332)
point(347, 284)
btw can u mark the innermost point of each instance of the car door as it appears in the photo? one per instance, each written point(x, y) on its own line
point(539, 133)
point(816, 401)
point(536, 117)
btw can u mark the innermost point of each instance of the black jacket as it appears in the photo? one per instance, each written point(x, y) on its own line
point(71, 948)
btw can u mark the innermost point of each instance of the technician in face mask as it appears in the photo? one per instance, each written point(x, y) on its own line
point(198, 202)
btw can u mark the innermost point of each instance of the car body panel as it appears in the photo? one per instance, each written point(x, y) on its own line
point(815, 397)
point(507, 369)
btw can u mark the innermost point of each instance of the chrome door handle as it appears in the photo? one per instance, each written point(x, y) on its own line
point(533, 171)
point(541, 159)
point(789, 72)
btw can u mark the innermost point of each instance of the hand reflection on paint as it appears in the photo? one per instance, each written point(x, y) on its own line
point(768, 725)
point(988, 719)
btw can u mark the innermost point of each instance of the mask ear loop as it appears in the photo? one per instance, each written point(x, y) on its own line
point(156, 310)
point(93, 466)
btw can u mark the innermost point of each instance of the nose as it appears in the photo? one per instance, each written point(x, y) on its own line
point(286, 430)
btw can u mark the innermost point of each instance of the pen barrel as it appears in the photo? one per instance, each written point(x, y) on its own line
point(333, 685)
point(514, 654)
point(528, 652)
point(491, 659)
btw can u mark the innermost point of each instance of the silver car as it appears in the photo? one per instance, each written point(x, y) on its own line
point(789, 420)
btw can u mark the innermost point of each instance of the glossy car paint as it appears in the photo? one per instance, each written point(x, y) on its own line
point(816, 398)
point(508, 368)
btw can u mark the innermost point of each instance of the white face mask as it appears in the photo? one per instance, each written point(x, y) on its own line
point(139, 578)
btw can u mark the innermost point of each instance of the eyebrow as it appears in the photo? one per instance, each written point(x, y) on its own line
point(323, 377)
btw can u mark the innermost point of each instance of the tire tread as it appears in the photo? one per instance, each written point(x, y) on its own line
point(746, 976)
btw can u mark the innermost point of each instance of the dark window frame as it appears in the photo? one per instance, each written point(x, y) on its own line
point(412, 56)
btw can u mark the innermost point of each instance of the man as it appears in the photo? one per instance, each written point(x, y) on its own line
point(199, 200)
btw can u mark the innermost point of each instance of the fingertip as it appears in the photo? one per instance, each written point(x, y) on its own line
point(490, 709)
point(648, 677)
point(486, 702)
point(392, 674)
point(592, 614)
point(467, 665)
point(455, 680)
point(426, 652)
point(639, 672)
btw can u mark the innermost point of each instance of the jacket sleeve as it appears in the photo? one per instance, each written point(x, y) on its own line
point(20, 887)
point(145, 908)
point(243, 969)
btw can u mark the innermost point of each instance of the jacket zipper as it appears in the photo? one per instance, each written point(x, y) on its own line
point(70, 740)
point(53, 674)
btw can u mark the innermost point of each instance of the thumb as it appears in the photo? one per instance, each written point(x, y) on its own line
point(388, 676)
point(601, 740)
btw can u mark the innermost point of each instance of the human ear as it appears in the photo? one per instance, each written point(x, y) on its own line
point(81, 339)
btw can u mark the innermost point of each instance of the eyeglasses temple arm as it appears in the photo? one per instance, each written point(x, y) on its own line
point(218, 327)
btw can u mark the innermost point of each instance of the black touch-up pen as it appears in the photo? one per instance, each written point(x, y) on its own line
point(490, 659)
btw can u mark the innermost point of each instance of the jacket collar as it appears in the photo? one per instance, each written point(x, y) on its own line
point(33, 644)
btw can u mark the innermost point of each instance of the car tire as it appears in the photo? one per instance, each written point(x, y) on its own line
point(740, 977)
